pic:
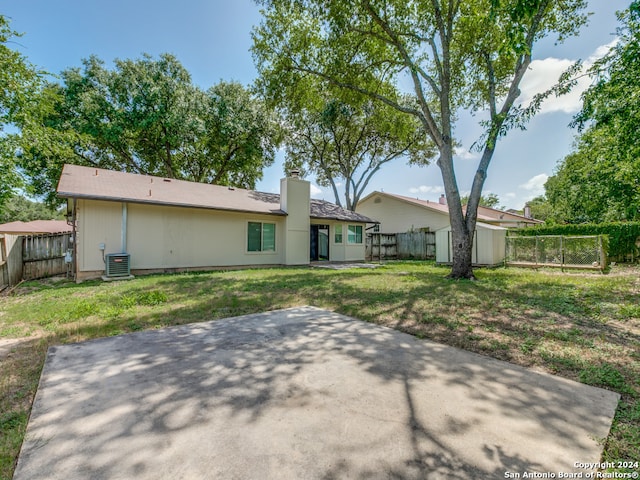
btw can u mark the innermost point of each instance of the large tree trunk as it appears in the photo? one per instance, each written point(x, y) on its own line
point(462, 243)
point(461, 234)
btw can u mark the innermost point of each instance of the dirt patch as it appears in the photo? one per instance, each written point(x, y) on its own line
point(7, 345)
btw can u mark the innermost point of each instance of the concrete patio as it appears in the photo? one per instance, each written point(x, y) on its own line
point(301, 393)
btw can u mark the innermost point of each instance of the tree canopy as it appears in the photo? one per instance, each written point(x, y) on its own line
point(490, 200)
point(449, 54)
point(345, 139)
point(20, 208)
point(599, 181)
point(18, 82)
point(146, 116)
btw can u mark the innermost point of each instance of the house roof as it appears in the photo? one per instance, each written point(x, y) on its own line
point(506, 216)
point(485, 214)
point(481, 225)
point(35, 227)
point(427, 204)
point(99, 184)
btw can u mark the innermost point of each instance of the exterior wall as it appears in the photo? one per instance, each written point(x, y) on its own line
point(98, 222)
point(164, 237)
point(344, 251)
point(396, 216)
point(295, 200)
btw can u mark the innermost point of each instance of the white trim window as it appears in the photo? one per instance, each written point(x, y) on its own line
point(354, 234)
point(261, 237)
point(337, 234)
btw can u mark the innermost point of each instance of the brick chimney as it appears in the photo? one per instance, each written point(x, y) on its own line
point(442, 200)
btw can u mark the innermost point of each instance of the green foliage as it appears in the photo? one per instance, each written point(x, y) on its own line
point(19, 208)
point(606, 375)
point(598, 181)
point(490, 200)
point(450, 54)
point(622, 236)
point(540, 208)
point(18, 82)
point(145, 116)
point(348, 139)
point(151, 298)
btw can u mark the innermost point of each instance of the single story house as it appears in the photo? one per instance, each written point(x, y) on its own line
point(156, 224)
point(35, 227)
point(398, 213)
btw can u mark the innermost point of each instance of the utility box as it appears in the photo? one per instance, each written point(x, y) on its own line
point(118, 265)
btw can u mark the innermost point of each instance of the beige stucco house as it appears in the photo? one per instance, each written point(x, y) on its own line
point(398, 213)
point(172, 225)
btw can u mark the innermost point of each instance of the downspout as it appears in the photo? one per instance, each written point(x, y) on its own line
point(74, 235)
point(124, 227)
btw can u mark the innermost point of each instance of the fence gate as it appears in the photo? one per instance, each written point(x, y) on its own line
point(556, 251)
point(44, 255)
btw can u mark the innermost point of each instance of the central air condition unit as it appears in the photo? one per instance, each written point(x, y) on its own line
point(118, 265)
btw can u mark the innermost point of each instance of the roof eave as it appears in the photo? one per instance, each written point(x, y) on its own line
point(277, 212)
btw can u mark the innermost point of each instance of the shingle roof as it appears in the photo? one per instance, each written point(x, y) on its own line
point(95, 183)
point(331, 211)
point(430, 205)
point(35, 227)
point(485, 214)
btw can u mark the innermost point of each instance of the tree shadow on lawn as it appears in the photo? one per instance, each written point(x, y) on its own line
point(299, 393)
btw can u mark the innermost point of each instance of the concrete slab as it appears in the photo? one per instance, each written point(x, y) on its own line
point(301, 393)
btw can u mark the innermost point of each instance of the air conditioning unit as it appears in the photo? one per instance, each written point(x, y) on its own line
point(118, 265)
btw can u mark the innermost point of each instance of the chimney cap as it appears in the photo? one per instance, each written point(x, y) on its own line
point(294, 173)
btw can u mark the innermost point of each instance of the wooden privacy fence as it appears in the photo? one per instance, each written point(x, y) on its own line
point(44, 255)
point(415, 245)
point(10, 260)
point(4, 267)
point(33, 256)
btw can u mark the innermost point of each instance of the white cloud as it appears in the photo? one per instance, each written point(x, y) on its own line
point(543, 74)
point(426, 189)
point(464, 154)
point(315, 191)
point(535, 185)
point(509, 195)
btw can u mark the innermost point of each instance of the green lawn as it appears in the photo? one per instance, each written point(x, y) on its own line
point(582, 326)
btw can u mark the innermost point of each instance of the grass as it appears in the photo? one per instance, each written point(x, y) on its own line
point(585, 327)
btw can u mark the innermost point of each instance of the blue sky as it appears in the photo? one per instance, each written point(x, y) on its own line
point(212, 39)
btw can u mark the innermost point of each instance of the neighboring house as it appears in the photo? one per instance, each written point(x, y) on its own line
point(397, 213)
point(507, 219)
point(35, 227)
point(171, 225)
